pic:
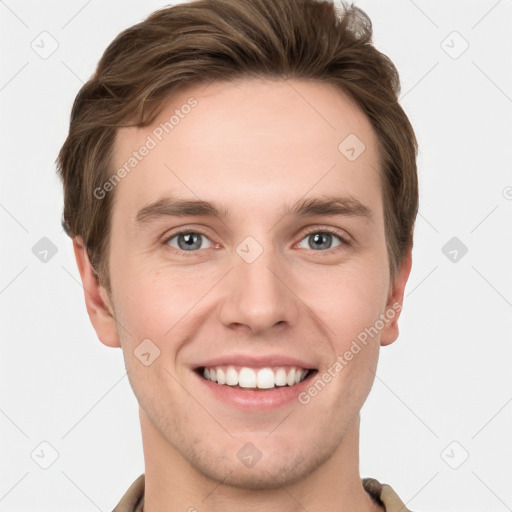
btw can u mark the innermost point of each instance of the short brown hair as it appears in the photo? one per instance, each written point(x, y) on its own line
point(209, 40)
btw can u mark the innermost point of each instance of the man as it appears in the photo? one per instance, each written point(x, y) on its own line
point(240, 186)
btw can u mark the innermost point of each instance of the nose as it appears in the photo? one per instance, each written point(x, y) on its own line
point(259, 294)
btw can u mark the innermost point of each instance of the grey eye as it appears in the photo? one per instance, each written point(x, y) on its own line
point(188, 241)
point(320, 240)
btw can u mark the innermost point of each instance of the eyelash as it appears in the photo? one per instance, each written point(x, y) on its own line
point(345, 242)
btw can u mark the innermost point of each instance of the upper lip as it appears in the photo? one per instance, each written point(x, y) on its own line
point(255, 361)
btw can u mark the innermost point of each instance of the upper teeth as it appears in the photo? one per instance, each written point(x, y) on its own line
point(263, 378)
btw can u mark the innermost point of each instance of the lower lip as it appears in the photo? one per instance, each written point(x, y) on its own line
point(256, 400)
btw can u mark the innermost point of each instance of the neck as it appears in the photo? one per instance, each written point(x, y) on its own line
point(172, 483)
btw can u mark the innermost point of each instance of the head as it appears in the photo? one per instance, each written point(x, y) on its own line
point(257, 111)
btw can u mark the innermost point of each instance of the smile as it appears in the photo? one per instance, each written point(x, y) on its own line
point(255, 378)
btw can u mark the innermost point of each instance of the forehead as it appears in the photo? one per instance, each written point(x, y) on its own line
point(261, 142)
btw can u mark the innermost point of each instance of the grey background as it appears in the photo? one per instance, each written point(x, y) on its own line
point(437, 423)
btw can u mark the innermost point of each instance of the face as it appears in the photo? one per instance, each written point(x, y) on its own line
point(273, 278)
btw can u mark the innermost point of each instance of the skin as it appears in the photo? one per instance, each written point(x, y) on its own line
point(267, 143)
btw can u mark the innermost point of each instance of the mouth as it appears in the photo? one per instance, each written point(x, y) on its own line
point(256, 379)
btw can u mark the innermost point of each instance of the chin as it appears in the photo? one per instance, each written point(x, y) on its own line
point(271, 472)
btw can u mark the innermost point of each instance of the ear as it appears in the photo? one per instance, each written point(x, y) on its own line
point(99, 307)
point(394, 305)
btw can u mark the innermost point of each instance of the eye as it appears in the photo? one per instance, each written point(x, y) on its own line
point(317, 240)
point(323, 239)
point(188, 241)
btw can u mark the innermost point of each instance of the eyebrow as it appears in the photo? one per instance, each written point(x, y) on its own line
point(326, 205)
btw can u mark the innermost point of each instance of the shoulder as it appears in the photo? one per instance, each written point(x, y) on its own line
point(384, 495)
point(133, 498)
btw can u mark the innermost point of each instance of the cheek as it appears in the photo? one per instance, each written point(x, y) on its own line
point(349, 301)
point(354, 308)
point(153, 300)
point(160, 312)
